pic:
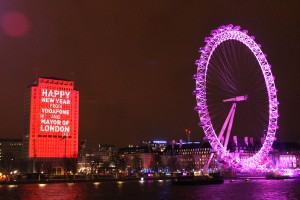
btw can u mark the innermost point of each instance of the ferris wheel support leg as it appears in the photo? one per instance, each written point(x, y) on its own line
point(229, 126)
point(226, 122)
point(205, 168)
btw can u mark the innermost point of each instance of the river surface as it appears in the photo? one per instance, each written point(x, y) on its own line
point(155, 190)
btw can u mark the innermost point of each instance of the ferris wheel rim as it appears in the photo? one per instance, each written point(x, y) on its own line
point(218, 36)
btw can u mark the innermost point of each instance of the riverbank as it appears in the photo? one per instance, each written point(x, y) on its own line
point(111, 179)
point(69, 180)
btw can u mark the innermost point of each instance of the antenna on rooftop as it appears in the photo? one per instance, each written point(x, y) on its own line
point(36, 72)
point(188, 133)
point(73, 76)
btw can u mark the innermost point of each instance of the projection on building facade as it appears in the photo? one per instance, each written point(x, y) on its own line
point(53, 112)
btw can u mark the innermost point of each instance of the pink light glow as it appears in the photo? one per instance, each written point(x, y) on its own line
point(15, 24)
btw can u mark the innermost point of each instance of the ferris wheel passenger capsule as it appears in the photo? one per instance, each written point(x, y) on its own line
point(197, 62)
point(201, 124)
point(207, 39)
point(229, 26)
point(195, 92)
point(214, 32)
point(196, 76)
point(197, 108)
point(221, 27)
point(237, 28)
point(201, 49)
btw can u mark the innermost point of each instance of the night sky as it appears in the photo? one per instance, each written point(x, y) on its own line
point(133, 61)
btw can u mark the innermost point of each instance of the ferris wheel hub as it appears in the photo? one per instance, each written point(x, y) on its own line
point(236, 99)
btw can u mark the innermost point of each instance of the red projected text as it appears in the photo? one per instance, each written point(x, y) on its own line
point(55, 102)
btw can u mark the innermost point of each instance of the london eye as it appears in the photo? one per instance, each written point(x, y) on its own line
point(235, 94)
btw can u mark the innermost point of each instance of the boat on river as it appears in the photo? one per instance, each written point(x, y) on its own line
point(198, 180)
point(277, 176)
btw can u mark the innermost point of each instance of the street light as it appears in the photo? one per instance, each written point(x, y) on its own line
point(34, 159)
point(64, 137)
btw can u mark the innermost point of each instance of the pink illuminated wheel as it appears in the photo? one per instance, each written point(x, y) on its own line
point(234, 83)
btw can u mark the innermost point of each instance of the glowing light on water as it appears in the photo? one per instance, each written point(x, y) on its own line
point(42, 185)
point(142, 180)
point(12, 186)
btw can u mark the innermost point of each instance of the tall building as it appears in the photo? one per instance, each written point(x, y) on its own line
point(51, 119)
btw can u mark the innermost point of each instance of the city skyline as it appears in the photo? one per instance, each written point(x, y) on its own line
point(134, 63)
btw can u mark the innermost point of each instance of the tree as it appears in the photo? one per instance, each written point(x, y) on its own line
point(173, 163)
point(156, 162)
point(137, 164)
point(94, 163)
point(121, 164)
point(72, 165)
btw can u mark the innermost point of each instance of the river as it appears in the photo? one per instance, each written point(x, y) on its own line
point(155, 190)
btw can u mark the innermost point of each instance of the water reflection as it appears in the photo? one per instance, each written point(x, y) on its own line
point(12, 186)
point(240, 189)
point(50, 191)
point(96, 184)
point(42, 185)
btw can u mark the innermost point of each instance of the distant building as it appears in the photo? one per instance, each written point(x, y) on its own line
point(160, 157)
point(244, 148)
point(97, 161)
point(285, 155)
point(188, 156)
point(158, 145)
point(135, 159)
point(10, 154)
point(105, 153)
